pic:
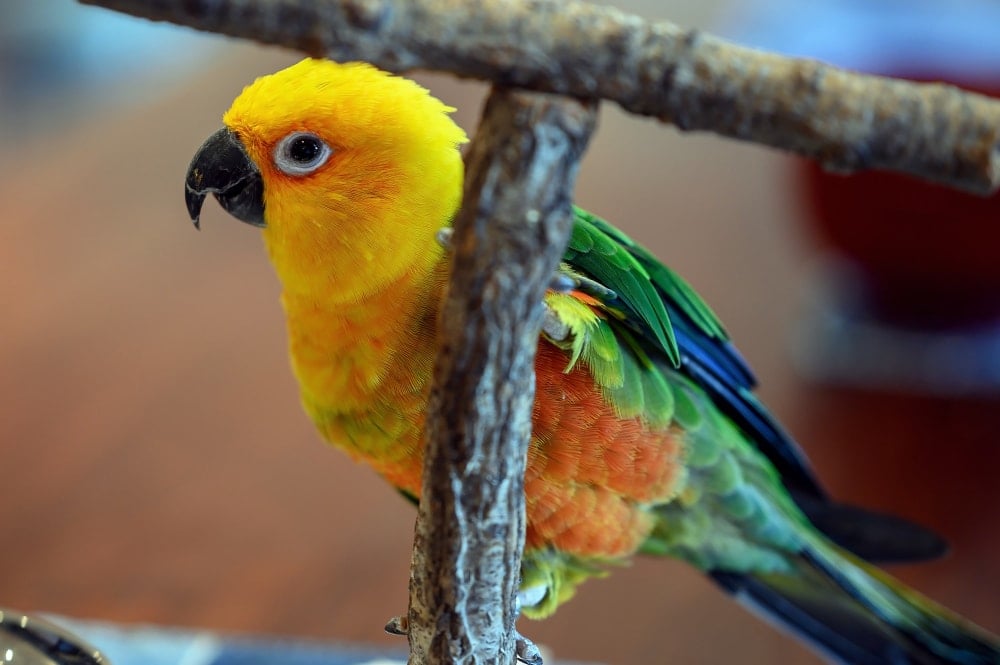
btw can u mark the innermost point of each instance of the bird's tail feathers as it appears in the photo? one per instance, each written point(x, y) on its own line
point(855, 613)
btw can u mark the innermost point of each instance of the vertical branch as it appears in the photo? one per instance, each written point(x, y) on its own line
point(509, 237)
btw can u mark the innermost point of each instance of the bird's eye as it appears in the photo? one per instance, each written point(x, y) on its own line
point(301, 153)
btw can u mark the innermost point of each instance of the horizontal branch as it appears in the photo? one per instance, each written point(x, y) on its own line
point(846, 121)
point(509, 236)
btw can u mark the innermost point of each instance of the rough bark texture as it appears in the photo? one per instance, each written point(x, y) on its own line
point(509, 237)
point(847, 121)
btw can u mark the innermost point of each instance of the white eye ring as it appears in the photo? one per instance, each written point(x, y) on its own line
point(301, 153)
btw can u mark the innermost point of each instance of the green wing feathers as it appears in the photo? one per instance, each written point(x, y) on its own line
point(672, 285)
point(610, 332)
point(658, 352)
point(639, 281)
point(733, 512)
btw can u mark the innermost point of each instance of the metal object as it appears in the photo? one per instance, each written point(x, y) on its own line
point(29, 640)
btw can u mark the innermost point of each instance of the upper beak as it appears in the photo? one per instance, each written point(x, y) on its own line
point(223, 167)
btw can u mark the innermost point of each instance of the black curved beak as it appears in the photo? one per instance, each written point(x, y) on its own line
point(222, 167)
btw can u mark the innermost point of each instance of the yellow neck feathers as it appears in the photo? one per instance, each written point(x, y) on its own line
point(360, 170)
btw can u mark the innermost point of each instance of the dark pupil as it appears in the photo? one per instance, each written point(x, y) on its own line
point(304, 149)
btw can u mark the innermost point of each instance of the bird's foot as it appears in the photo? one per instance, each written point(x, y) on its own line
point(525, 650)
point(552, 325)
point(560, 282)
point(398, 625)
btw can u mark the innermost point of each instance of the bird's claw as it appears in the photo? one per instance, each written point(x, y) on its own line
point(560, 281)
point(553, 326)
point(398, 626)
point(526, 651)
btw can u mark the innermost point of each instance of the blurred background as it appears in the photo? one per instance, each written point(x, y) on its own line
point(156, 465)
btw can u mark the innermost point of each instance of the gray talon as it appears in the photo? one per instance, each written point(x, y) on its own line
point(526, 651)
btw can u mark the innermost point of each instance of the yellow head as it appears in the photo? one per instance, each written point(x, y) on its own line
point(358, 169)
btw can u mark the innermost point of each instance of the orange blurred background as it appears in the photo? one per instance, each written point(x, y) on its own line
point(156, 466)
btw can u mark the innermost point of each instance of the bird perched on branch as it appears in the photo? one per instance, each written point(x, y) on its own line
point(646, 435)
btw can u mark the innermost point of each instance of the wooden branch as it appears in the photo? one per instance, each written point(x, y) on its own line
point(509, 237)
point(847, 121)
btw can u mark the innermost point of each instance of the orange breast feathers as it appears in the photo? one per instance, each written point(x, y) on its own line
point(591, 474)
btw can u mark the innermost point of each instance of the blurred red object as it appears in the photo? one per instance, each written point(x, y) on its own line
point(928, 256)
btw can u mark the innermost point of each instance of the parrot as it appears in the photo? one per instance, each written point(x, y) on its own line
point(647, 437)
